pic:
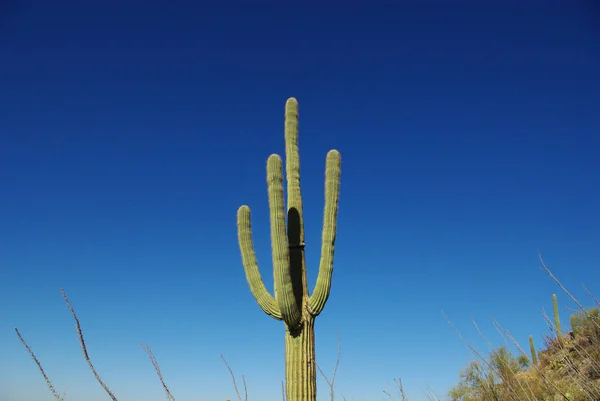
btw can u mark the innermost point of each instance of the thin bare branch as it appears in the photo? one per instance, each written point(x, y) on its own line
point(148, 350)
point(235, 386)
point(245, 388)
point(559, 283)
point(39, 365)
point(591, 295)
point(84, 348)
point(549, 322)
point(398, 382)
point(481, 333)
point(331, 383)
point(489, 365)
point(585, 312)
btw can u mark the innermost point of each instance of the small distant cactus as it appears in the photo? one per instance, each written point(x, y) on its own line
point(533, 353)
point(573, 324)
point(556, 317)
point(292, 302)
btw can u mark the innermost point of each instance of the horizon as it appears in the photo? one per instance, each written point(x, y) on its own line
point(133, 132)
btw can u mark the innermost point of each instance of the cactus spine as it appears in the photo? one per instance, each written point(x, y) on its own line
point(532, 348)
point(292, 302)
point(556, 317)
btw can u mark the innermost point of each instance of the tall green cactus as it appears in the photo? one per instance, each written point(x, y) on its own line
point(532, 348)
point(556, 317)
point(292, 302)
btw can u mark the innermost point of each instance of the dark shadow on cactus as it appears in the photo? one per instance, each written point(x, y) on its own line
point(296, 255)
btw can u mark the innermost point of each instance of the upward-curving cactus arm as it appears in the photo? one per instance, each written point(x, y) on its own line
point(292, 163)
point(284, 289)
point(265, 300)
point(320, 294)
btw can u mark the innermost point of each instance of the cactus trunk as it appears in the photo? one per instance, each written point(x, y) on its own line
point(292, 302)
point(300, 368)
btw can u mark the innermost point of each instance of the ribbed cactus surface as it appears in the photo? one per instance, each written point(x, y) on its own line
point(291, 301)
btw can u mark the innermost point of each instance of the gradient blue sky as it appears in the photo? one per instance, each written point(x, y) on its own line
point(132, 131)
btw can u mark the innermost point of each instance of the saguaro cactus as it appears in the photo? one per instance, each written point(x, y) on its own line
point(556, 317)
point(573, 320)
point(292, 302)
point(532, 348)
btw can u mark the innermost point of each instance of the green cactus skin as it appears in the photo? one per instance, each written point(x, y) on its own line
point(556, 317)
point(292, 302)
point(532, 348)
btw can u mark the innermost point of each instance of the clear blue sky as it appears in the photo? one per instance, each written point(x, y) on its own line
point(132, 131)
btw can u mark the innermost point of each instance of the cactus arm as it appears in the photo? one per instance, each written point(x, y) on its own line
point(295, 221)
point(292, 162)
point(320, 294)
point(257, 286)
point(284, 289)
